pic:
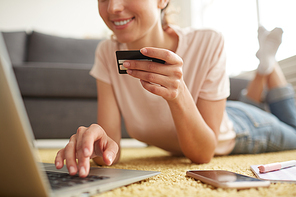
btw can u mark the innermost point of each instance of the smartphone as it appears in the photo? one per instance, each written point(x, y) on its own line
point(227, 179)
point(132, 55)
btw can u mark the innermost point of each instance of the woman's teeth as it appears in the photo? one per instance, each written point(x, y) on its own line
point(122, 22)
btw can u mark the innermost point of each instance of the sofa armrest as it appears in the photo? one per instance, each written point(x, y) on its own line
point(236, 86)
point(16, 44)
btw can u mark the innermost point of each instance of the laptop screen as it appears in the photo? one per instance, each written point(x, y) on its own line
point(16, 137)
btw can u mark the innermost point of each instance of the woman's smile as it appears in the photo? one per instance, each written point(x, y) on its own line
point(122, 23)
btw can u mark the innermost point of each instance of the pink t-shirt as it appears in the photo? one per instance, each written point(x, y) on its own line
point(147, 116)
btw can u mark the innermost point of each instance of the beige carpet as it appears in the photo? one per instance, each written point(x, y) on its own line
point(173, 181)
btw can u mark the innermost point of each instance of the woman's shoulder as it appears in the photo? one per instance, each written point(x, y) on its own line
point(207, 35)
point(191, 34)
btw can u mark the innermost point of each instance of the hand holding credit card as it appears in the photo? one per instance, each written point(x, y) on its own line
point(132, 55)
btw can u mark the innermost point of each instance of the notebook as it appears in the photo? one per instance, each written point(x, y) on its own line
point(282, 175)
point(21, 173)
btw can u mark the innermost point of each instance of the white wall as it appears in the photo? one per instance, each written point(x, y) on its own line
point(237, 20)
point(71, 18)
point(181, 12)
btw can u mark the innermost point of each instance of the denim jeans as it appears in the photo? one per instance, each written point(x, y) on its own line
point(259, 131)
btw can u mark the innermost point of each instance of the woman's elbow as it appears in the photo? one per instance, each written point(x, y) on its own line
point(201, 158)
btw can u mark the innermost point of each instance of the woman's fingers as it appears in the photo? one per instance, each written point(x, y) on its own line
point(166, 93)
point(161, 79)
point(173, 63)
point(87, 143)
point(59, 160)
point(96, 142)
point(88, 138)
point(70, 155)
point(110, 151)
point(168, 56)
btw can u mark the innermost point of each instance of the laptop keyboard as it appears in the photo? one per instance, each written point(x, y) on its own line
point(60, 180)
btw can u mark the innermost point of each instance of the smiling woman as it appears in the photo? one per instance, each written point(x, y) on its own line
point(179, 106)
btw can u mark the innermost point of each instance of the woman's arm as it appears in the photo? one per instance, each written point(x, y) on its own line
point(198, 123)
point(108, 116)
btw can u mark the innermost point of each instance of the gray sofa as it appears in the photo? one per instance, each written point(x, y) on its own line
point(53, 76)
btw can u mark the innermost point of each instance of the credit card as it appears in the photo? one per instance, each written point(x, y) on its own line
point(132, 55)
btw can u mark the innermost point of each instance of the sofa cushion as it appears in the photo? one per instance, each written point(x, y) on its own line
point(48, 48)
point(39, 79)
point(16, 46)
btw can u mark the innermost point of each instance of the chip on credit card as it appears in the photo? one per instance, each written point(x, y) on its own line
point(132, 55)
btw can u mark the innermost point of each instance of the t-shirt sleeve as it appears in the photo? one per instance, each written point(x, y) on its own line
point(100, 69)
point(216, 84)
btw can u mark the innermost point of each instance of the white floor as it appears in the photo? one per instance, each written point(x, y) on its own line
point(61, 143)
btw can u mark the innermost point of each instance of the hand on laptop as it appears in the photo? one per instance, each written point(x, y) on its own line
point(86, 144)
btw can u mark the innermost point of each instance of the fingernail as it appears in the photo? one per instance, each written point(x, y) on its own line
point(72, 170)
point(58, 164)
point(110, 158)
point(126, 64)
point(82, 171)
point(129, 71)
point(143, 51)
point(86, 152)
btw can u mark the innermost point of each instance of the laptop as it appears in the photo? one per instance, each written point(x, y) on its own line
point(22, 173)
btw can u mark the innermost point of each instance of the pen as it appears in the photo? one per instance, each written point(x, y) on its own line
point(276, 166)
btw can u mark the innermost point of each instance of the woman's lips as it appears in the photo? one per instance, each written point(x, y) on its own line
point(122, 23)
